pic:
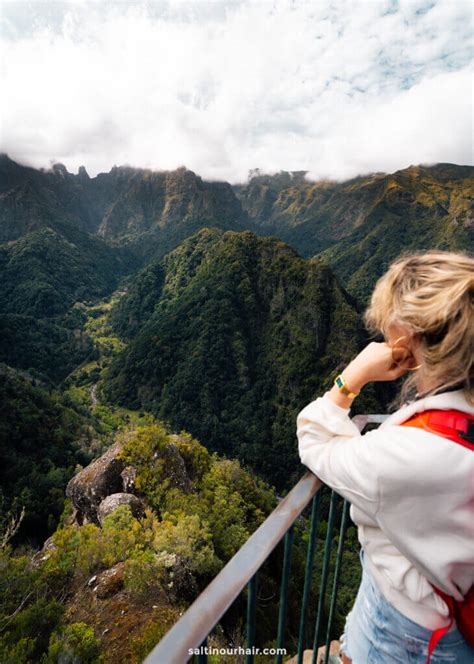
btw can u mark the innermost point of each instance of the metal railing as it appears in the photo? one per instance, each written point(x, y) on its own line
point(192, 629)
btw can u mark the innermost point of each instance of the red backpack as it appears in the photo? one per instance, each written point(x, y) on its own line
point(458, 427)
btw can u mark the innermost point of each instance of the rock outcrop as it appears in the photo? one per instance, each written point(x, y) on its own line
point(110, 504)
point(110, 582)
point(106, 483)
point(128, 476)
point(41, 556)
point(178, 475)
point(98, 480)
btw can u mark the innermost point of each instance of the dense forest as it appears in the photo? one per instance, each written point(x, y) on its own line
point(158, 335)
point(234, 368)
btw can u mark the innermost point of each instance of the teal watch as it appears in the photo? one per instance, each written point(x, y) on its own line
point(342, 385)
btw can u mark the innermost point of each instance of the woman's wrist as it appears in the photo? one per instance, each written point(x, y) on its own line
point(354, 378)
point(354, 382)
point(375, 362)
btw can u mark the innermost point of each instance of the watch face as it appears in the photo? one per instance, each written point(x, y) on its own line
point(339, 382)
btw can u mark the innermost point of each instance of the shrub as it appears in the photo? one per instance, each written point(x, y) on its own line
point(73, 644)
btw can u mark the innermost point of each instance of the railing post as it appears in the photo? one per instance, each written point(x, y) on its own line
point(251, 613)
point(324, 574)
point(284, 592)
point(337, 571)
point(202, 657)
point(308, 574)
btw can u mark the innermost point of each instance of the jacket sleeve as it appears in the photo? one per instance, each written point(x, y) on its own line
point(330, 445)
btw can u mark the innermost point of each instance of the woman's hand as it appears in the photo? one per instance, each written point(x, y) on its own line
point(377, 361)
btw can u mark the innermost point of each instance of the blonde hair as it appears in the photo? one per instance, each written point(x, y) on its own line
point(431, 294)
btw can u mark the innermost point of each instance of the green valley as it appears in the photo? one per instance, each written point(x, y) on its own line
point(158, 335)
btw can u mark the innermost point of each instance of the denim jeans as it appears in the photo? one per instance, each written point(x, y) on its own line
point(376, 633)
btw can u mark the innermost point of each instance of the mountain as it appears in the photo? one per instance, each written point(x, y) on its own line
point(420, 209)
point(49, 261)
point(49, 349)
point(45, 272)
point(150, 211)
point(32, 199)
point(163, 208)
point(228, 336)
point(364, 223)
point(361, 224)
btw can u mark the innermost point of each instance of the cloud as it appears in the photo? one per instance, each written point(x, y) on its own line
point(335, 88)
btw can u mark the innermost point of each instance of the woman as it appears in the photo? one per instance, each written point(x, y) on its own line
point(412, 490)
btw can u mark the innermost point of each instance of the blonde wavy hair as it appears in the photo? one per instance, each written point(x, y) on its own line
point(432, 294)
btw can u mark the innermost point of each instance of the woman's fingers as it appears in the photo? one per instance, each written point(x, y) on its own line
point(400, 368)
point(378, 361)
point(400, 354)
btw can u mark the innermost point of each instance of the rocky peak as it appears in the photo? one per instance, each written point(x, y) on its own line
point(60, 170)
point(82, 173)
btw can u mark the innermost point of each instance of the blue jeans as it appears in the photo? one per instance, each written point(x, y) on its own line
point(376, 633)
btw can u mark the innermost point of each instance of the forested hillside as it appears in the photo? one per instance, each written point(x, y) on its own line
point(368, 221)
point(229, 334)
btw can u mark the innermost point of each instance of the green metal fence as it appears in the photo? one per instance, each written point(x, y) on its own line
point(192, 629)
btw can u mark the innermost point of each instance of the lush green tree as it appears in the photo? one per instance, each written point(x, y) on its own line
point(41, 441)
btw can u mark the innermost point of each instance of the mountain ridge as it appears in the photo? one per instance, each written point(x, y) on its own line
point(150, 212)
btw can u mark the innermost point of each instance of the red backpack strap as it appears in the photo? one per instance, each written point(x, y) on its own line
point(453, 424)
point(438, 634)
point(458, 427)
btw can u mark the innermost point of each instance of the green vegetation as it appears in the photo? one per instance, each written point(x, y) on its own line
point(267, 330)
point(77, 642)
point(42, 438)
point(197, 516)
point(44, 275)
point(365, 223)
point(222, 339)
point(418, 210)
point(187, 534)
point(48, 349)
point(45, 272)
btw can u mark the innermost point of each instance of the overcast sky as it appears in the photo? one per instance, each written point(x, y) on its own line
point(336, 88)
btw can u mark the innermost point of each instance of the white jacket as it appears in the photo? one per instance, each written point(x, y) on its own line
point(412, 495)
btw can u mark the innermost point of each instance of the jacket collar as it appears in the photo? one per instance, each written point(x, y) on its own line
point(455, 400)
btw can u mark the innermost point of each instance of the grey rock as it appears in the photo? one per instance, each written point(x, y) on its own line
point(110, 504)
point(98, 480)
point(128, 476)
point(49, 547)
point(176, 467)
point(110, 582)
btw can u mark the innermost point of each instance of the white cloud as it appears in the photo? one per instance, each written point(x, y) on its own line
point(336, 88)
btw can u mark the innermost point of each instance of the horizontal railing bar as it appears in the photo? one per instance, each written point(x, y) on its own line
point(195, 624)
point(362, 420)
